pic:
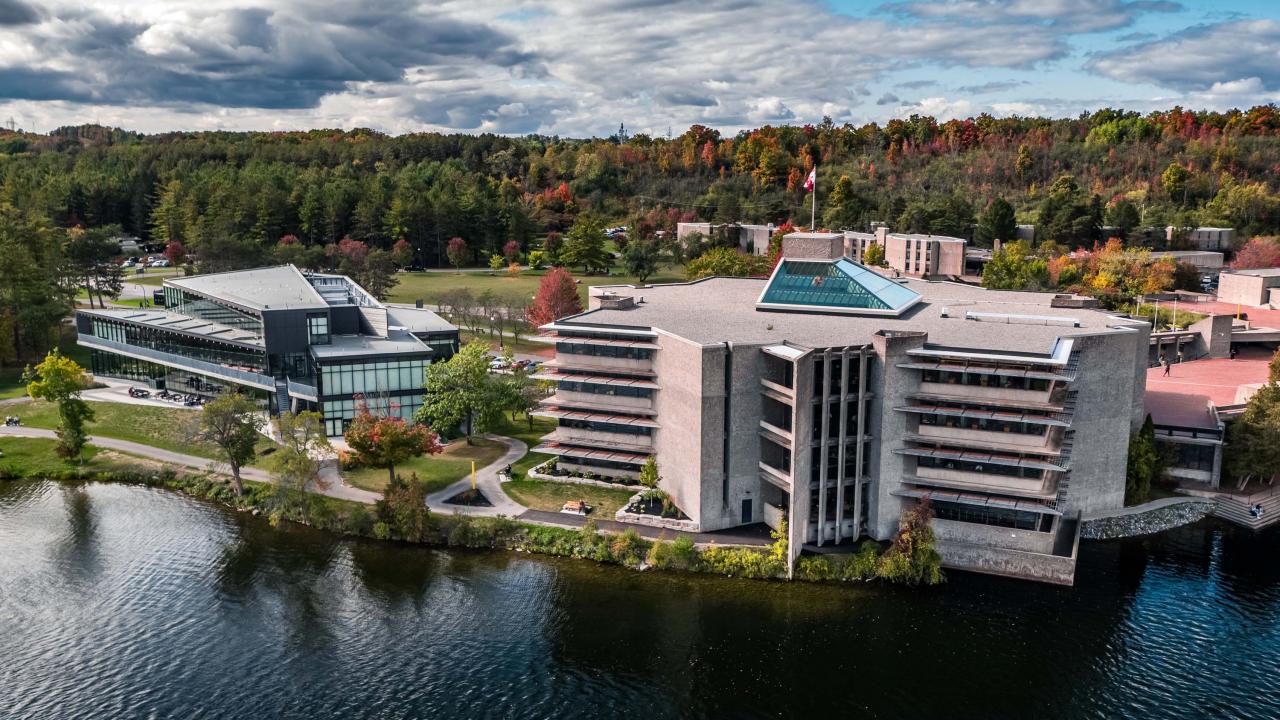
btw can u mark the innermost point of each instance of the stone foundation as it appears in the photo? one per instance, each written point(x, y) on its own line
point(1153, 517)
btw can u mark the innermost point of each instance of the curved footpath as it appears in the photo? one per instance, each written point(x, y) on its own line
point(486, 480)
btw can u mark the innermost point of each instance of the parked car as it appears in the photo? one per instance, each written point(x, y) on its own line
point(160, 263)
point(497, 364)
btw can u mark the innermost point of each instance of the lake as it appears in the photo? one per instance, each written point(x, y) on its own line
point(127, 602)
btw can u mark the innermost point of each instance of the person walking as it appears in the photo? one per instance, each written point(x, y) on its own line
point(1167, 367)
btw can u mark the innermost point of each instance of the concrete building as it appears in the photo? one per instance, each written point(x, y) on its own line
point(921, 256)
point(753, 239)
point(1254, 288)
point(293, 340)
point(1206, 261)
point(1200, 238)
point(837, 397)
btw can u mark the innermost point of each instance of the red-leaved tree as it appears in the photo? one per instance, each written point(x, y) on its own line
point(557, 297)
point(457, 253)
point(402, 252)
point(1260, 252)
point(511, 251)
point(175, 252)
point(387, 441)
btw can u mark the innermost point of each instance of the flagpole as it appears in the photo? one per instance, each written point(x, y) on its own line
point(813, 212)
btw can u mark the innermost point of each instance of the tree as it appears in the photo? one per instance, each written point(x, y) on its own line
point(1015, 267)
point(845, 207)
point(1253, 439)
point(557, 297)
point(584, 245)
point(997, 222)
point(511, 252)
point(649, 476)
point(402, 253)
point(461, 393)
point(641, 259)
point(36, 287)
point(913, 557)
point(874, 255)
point(1144, 465)
point(725, 262)
point(58, 379)
point(402, 511)
point(174, 252)
point(91, 254)
point(457, 253)
point(1124, 216)
point(1174, 181)
point(303, 443)
point(1259, 252)
point(1067, 216)
point(388, 441)
point(495, 262)
point(232, 422)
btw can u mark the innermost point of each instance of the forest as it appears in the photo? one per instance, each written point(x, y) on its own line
point(232, 199)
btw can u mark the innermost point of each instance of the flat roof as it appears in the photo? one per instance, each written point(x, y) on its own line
point(397, 342)
point(1258, 272)
point(720, 309)
point(1184, 410)
point(1186, 253)
point(163, 320)
point(269, 288)
point(415, 319)
point(919, 236)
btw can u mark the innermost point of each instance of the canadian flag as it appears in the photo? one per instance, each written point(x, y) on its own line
point(810, 181)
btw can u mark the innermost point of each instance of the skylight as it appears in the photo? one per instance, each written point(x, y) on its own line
point(839, 286)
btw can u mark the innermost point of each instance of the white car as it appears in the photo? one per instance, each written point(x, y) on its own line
point(497, 364)
point(160, 263)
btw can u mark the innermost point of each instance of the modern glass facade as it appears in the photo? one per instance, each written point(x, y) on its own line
point(198, 348)
point(392, 387)
point(840, 284)
point(197, 306)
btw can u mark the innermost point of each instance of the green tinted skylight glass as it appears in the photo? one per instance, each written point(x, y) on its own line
point(842, 284)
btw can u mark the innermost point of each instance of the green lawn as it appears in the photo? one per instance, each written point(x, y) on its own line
point(162, 427)
point(437, 471)
point(520, 430)
point(551, 496)
point(36, 457)
point(430, 286)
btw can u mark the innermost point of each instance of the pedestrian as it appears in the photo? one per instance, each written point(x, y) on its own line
point(1233, 352)
point(1179, 356)
point(1167, 367)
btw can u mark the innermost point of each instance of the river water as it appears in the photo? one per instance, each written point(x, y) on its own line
point(127, 602)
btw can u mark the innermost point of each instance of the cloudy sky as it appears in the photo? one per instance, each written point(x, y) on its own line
point(581, 67)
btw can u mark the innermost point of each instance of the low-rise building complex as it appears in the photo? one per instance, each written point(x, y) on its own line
point(293, 340)
point(836, 396)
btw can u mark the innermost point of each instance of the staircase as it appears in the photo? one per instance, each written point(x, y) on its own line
point(1235, 508)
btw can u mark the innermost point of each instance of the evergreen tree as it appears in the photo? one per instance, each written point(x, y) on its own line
point(997, 222)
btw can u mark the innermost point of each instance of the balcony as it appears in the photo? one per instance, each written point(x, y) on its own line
point(1050, 399)
point(601, 402)
point(601, 439)
point(180, 362)
point(1047, 443)
point(775, 476)
point(960, 480)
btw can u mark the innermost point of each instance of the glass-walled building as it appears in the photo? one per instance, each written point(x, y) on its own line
point(294, 340)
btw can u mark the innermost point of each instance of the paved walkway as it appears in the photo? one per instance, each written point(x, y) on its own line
point(328, 472)
point(488, 483)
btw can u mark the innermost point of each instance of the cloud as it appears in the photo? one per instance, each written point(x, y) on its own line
point(888, 99)
point(1075, 16)
point(991, 87)
point(1197, 58)
point(916, 84)
point(16, 12)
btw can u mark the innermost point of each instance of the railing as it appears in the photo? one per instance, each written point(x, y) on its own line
point(181, 362)
point(302, 390)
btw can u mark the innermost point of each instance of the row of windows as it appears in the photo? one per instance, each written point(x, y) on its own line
point(338, 414)
point(617, 390)
point(979, 467)
point(989, 425)
point(592, 462)
point(1189, 457)
point(373, 377)
point(613, 351)
point(983, 380)
point(606, 427)
point(855, 367)
point(1000, 517)
point(178, 344)
point(192, 305)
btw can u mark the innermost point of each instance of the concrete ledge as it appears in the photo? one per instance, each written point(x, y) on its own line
point(1020, 564)
point(568, 480)
point(1152, 517)
point(653, 520)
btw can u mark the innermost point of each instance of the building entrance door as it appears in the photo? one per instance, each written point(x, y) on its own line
point(746, 511)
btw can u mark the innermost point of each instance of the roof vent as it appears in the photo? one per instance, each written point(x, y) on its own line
point(617, 302)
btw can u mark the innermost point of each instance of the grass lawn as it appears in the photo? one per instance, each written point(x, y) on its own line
point(520, 430)
point(551, 496)
point(524, 346)
point(430, 286)
point(437, 471)
point(165, 428)
point(35, 457)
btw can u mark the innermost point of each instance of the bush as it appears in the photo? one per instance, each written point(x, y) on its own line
point(628, 548)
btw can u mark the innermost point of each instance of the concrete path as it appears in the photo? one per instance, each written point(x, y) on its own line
point(333, 486)
point(488, 483)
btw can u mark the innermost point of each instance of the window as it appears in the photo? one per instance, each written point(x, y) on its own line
point(384, 376)
point(999, 517)
point(613, 351)
point(617, 390)
point(318, 328)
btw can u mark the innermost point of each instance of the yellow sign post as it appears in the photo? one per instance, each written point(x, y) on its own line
point(473, 474)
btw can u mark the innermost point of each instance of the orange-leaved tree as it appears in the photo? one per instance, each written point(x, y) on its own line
point(383, 441)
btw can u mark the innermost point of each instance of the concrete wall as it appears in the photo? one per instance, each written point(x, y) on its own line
point(975, 534)
point(682, 413)
point(1102, 421)
point(817, 246)
point(1215, 337)
point(950, 259)
point(891, 386)
point(1009, 563)
point(1248, 290)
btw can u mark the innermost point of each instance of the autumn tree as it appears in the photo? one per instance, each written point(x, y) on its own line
point(557, 297)
point(175, 253)
point(59, 380)
point(511, 252)
point(1259, 252)
point(1253, 439)
point(457, 253)
point(1174, 181)
point(874, 255)
point(232, 423)
point(384, 441)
